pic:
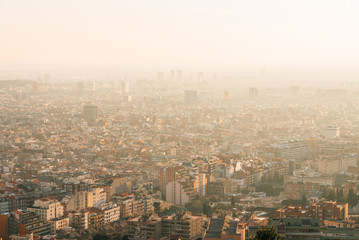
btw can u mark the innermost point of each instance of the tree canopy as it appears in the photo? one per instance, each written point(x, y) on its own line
point(265, 234)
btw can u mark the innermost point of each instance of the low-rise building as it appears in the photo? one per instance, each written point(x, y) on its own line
point(59, 224)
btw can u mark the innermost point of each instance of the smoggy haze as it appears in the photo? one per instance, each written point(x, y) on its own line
point(82, 33)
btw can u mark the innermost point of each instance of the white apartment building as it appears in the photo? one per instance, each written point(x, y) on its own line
point(331, 132)
point(111, 212)
point(293, 150)
point(47, 208)
point(59, 223)
point(337, 165)
point(176, 194)
point(78, 201)
point(98, 196)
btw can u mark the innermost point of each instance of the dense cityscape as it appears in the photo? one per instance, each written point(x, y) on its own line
point(179, 120)
point(171, 157)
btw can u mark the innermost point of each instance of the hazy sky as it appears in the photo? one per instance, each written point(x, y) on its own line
point(177, 33)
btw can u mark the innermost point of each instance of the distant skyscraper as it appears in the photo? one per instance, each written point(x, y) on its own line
point(200, 76)
point(253, 93)
point(214, 76)
point(172, 75)
point(294, 90)
point(80, 86)
point(179, 75)
point(160, 76)
point(190, 97)
point(225, 95)
point(90, 113)
point(125, 88)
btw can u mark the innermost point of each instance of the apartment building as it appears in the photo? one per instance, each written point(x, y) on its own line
point(59, 223)
point(334, 165)
point(167, 175)
point(78, 201)
point(330, 210)
point(96, 217)
point(144, 227)
point(177, 193)
point(186, 226)
point(130, 207)
point(293, 150)
point(322, 210)
point(111, 212)
point(25, 222)
point(79, 219)
point(47, 208)
point(200, 184)
point(98, 196)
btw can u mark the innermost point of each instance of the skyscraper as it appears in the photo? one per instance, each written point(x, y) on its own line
point(200, 184)
point(125, 88)
point(179, 75)
point(253, 93)
point(172, 75)
point(190, 97)
point(167, 174)
point(200, 76)
point(160, 76)
point(225, 95)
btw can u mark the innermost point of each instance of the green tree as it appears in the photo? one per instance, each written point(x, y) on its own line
point(207, 209)
point(324, 194)
point(265, 234)
point(291, 202)
point(340, 198)
point(304, 202)
point(268, 189)
point(265, 179)
point(101, 236)
point(233, 201)
point(331, 195)
point(276, 178)
point(157, 206)
point(352, 198)
point(340, 179)
point(116, 236)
